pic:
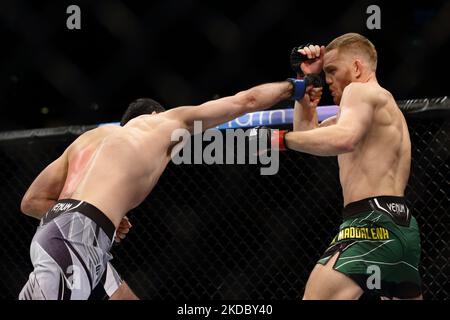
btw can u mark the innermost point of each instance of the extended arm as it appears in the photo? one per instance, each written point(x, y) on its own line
point(45, 189)
point(219, 111)
point(355, 118)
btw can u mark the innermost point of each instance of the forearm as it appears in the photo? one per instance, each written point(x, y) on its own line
point(304, 118)
point(328, 141)
point(46, 188)
point(219, 111)
point(264, 96)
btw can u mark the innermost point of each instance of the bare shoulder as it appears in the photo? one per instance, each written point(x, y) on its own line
point(369, 92)
point(97, 134)
point(387, 104)
point(383, 95)
point(156, 127)
point(102, 131)
point(92, 137)
point(160, 122)
point(361, 88)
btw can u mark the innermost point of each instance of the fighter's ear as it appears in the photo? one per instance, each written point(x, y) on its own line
point(357, 68)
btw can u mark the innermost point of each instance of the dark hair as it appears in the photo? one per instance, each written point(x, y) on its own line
point(139, 107)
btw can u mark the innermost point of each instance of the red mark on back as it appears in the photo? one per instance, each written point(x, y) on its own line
point(77, 166)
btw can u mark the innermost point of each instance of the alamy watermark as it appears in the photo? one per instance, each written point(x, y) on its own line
point(73, 277)
point(374, 20)
point(226, 147)
point(74, 20)
point(373, 282)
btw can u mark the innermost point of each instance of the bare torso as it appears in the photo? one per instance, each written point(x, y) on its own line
point(380, 164)
point(118, 171)
point(79, 154)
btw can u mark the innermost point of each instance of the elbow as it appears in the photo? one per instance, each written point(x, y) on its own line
point(252, 100)
point(25, 205)
point(347, 144)
point(346, 148)
point(248, 99)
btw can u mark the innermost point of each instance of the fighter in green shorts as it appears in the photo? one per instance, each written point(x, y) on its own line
point(377, 248)
point(378, 238)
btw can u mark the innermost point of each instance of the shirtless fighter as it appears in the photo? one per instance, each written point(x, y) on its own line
point(45, 191)
point(379, 236)
point(70, 250)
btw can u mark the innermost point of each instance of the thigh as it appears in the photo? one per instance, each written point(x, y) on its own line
point(45, 282)
point(325, 283)
point(56, 275)
point(67, 264)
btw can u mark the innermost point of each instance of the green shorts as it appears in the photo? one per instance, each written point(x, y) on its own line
point(379, 247)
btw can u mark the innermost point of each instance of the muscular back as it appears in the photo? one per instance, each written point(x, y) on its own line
point(79, 154)
point(141, 152)
point(380, 163)
point(116, 171)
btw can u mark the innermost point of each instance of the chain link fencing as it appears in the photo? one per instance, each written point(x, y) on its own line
point(226, 232)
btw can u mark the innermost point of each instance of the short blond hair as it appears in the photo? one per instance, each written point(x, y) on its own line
point(356, 43)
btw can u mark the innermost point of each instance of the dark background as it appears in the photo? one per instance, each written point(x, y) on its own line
point(221, 232)
point(184, 52)
point(213, 232)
